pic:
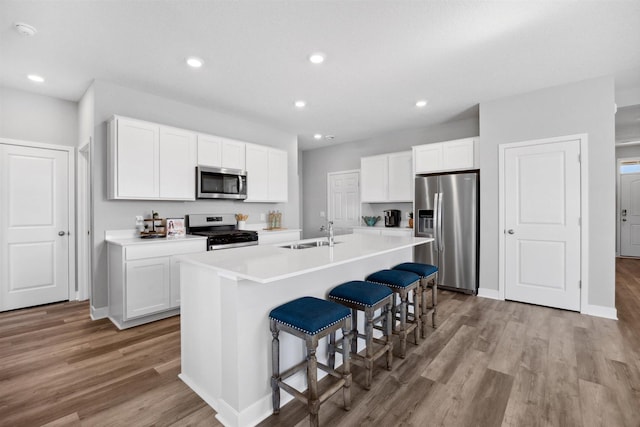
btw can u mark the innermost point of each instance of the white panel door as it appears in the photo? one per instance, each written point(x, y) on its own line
point(344, 199)
point(177, 164)
point(34, 217)
point(630, 215)
point(542, 224)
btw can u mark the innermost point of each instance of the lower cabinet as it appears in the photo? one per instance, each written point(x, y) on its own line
point(144, 280)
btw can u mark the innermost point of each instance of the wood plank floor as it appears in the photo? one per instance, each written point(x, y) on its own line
point(490, 363)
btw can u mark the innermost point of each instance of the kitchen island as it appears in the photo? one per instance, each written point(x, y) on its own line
point(226, 299)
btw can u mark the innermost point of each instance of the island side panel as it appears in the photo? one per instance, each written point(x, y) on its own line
point(247, 361)
point(200, 331)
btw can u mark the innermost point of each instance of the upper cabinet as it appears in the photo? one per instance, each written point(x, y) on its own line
point(445, 156)
point(386, 178)
point(150, 161)
point(266, 174)
point(221, 152)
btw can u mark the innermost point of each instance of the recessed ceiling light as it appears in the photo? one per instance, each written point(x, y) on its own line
point(195, 62)
point(35, 78)
point(421, 104)
point(25, 29)
point(317, 58)
point(300, 104)
point(317, 136)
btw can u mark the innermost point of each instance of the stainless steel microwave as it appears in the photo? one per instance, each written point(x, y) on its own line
point(220, 183)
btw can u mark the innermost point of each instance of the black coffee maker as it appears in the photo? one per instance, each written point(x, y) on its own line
point(392, 218)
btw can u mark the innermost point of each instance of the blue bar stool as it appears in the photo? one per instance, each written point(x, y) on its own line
point(310, 319)
point(402, 283)
point(428, 278)
point(367, 297)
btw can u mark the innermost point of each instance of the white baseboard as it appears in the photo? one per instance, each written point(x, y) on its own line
point(600, 311)
point(489, 293)
point(99, 313)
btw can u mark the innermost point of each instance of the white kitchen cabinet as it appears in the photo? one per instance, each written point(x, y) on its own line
point(177, 164)
point(144, 278)
point(209, 150)
point(133, 154)
point(217, 151)
point(460, 154)
point(148, 161)
point(266, 237)
point(374, 176)
point(233, 154)
point(266, 174)
point(386, 178)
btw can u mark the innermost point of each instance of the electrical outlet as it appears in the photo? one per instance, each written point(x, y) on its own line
point(322, 214)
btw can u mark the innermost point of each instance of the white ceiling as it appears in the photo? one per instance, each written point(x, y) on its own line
point(382, 56)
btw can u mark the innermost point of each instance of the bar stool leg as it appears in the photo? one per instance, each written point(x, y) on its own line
point(404, 302)
point(275, 367)
point(354, 331)
point(312, 381)
point(423, 288)
point(346, 364)
point(332, 350)
point(389, 333)
point(368, 331)
point(434, 298)
point(417, 313)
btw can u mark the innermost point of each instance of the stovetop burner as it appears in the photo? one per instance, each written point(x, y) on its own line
point(220, 230)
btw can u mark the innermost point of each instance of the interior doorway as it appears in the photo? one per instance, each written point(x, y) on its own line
point(343, 199)
point(628, 209)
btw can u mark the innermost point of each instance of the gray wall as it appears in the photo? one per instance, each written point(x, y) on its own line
point(112, 99)
point(629, 151)
point(583, 107)
point(31, 117)
point(317, 163)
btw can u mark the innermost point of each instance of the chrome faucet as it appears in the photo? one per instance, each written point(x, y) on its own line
point(329, 228)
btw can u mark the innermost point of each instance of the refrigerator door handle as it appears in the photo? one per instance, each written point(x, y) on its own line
point(435, 222)
point(439, 207)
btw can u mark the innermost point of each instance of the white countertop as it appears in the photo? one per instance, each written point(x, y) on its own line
point(266, 264)
point(124, 241)
point(382, 227)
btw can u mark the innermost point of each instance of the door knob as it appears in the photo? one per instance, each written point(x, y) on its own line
point(624, 219)
point(61, 233)
point(510, 231)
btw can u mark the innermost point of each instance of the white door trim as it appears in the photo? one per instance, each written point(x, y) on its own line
point(584, 211)
point(85, 208)
point(619, 163)
point(71, 153)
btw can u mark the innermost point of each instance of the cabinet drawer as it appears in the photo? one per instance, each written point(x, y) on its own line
point(165, 249)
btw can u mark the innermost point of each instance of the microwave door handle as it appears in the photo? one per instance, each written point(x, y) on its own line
point(240, 186)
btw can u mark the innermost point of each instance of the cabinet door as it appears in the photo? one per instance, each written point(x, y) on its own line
point(257, 173)
point(177, 164)
point(147, 287)
point(458, 154)
point(135, 163)
point(278, 190)
point(428, 157)
point(233, 154)
point(400, 177)
point(374, 174)
point(209, 150)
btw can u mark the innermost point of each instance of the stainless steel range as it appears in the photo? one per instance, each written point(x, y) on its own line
point(221, 231)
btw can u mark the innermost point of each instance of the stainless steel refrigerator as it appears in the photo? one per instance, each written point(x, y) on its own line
point(447, 209)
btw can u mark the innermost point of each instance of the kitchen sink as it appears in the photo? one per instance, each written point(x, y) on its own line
point(307, 245)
